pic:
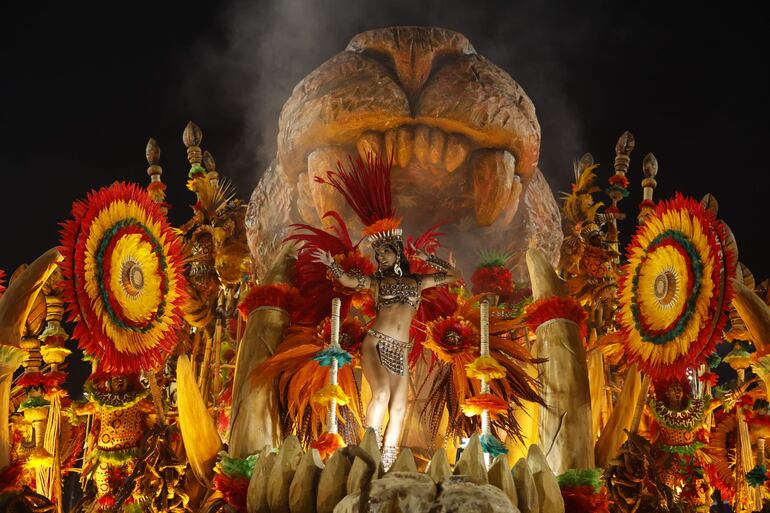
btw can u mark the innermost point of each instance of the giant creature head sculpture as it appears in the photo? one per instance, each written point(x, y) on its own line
point(462, 133)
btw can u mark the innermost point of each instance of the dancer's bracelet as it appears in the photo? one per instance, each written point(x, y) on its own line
point(436, 262)
point(336, 269)
point(359, 276)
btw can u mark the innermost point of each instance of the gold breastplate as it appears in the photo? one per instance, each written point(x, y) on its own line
point(671, 436)
point(400, 292)
point(120, 428)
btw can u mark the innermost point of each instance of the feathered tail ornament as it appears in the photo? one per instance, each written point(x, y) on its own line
point(296, 373)
point(454, 340)
point(312, 278)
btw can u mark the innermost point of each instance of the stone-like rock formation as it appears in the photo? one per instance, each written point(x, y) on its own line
point(462, 133)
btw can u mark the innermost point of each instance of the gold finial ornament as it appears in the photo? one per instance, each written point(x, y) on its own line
point(208, 162)
point(586, 160)
point(618, 189)
point(192, 137)
point(211, 167)
point(710, 203)
point(152, 152)
point(650, 170)
point(623, 149)
point(156, 188)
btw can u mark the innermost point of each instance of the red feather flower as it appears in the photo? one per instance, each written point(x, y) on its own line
point(116, 476)
point(555, 307)
point(709, 377)
point(449, 337)
point(233, 490)
point(352, 334)
point(276, 295)
point(106, 502)
point(582, 499)
point(618, 179)
point(646, 204)
point(38, 379)
point(492, 279)
point(675, 287)
point(327, 444)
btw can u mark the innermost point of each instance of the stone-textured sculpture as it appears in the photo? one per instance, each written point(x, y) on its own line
point(463, 136)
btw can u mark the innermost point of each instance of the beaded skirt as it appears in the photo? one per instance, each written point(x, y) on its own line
point(393, 353)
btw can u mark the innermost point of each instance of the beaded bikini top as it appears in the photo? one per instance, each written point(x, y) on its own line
point(399, 292)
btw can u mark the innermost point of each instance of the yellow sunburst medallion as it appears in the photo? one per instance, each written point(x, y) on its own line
point(675, 288)
point(124, 284)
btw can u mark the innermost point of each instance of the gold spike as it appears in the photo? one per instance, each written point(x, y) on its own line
point(192, 137)
point(211, 167)
point(650, 166)
point(650, 170)
point(208, 162)
point(154, 171)
point(152, 152)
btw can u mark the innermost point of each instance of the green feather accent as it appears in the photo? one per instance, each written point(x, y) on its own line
point(757, 476)
point(117, 457)
point(53, 330)
point(687, 450)
point(34, 402)
point(713, 360)
point(494, 258)
point(236, 467)
point(493, 446)
point(195, 170)
point(130, 400)
point(617, 188)
point(581, 477)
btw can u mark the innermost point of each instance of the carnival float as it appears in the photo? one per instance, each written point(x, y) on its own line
point(403, 318)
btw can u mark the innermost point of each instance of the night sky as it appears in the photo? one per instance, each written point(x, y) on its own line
point(84, 87)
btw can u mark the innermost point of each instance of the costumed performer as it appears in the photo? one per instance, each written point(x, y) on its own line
point(396, 290)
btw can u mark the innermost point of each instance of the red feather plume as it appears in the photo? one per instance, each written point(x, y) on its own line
point(365, 186)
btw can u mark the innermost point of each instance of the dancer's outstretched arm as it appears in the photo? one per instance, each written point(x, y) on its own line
point(346, 279)
point(447, 272)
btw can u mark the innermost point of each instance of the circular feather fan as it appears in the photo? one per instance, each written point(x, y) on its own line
point(123, 278)
point(675, 288)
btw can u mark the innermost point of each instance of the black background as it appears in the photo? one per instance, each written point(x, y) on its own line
point(85, 85)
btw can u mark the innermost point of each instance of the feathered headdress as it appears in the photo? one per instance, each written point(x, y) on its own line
point(366, 188)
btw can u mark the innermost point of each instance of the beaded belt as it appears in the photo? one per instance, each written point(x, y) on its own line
point(392, 352)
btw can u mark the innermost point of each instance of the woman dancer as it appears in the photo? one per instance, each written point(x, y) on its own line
point(396, 293)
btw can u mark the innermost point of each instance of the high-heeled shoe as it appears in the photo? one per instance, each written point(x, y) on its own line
point(389, 455)
point(379, 434)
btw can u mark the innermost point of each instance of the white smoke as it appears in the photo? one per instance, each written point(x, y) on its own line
point(259, 51)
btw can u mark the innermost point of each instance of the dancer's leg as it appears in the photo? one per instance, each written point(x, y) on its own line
point(399, 391)
point(378, 378)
